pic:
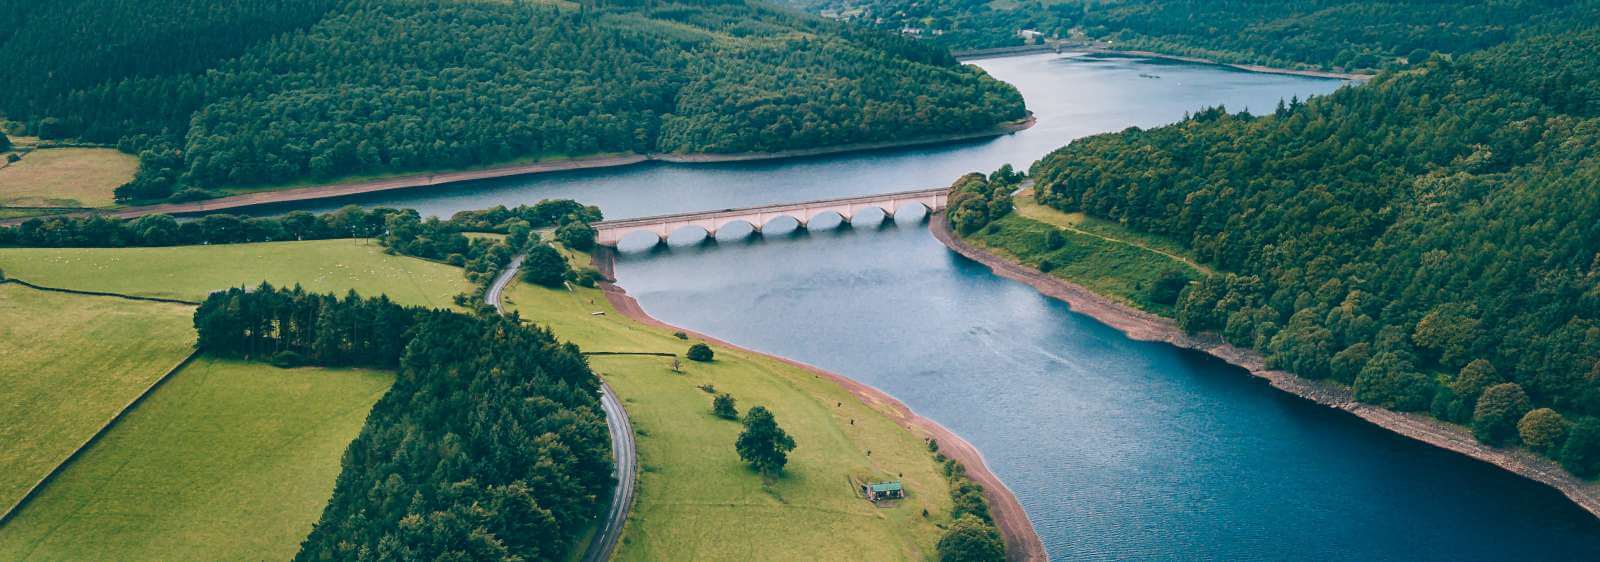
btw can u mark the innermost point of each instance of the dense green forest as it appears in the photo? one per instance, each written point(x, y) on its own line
point(489, 446)
point(1345, 34)
point(262, 92)
point(1431, 238)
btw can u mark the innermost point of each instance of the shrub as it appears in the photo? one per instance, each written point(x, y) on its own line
point(1543, 430)
point(1054, 240)
point(680, 335)
point(700, 352)
point(1047, 265)
point(287, 359)
point(1494, 421)
point(191, 194)
point(723, 407)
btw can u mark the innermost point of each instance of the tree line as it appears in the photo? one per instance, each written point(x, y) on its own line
point(1429, 238)
point(490, 445)
point(401, 231)
point(261, 92)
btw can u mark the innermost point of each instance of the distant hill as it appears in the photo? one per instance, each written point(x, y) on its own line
point(1324, 34)
point(272, 91)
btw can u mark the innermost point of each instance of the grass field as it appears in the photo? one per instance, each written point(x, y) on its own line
point(66, 177)
point(697, 501)
point(226, 461)
point(69, 364)
point(1114, 268)
point(192, 272)
point(1108, 230)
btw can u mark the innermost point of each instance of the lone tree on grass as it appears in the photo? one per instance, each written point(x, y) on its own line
point(700, 352)
point(544, 266)
point(971, 540)
point(723, 407)
point(762, 443)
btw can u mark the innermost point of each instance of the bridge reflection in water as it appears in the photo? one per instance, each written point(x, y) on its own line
point(610, 233)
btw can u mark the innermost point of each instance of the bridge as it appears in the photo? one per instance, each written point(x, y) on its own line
point(609, 233)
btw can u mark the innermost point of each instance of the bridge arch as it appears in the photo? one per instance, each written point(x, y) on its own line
point(767, 218)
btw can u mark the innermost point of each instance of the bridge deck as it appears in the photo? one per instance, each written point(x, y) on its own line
point(700, 215)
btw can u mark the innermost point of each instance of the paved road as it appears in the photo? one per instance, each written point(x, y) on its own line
point(605, 540)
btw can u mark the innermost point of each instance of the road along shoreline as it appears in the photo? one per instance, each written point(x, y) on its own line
point(421, 180)
point(1022, 542)
point(1144, 326)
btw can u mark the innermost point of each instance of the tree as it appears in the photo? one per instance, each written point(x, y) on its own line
point(1470, 383)
point(723, 407)
point(544, 266)
point(1494, 421)
point(762, 443)
point(1168, 286)
point(5, 142)
point(971, 540)
point(1581, 453)
point(1543, 430)
point(576, 235)
point(700, 352)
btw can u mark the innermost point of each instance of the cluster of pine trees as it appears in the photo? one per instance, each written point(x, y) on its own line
point(491, 444)
point(261, 92)
point(1431, 238)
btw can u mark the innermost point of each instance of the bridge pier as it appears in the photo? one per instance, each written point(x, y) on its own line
point(609, 233)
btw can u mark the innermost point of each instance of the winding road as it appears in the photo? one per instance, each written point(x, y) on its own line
point(605, 539)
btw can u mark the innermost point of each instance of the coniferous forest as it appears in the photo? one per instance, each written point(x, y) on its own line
point(1431, 238)
point(273, 91)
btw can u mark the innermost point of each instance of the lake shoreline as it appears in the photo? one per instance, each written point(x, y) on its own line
point(1022, 541)
point(1019, 51)
point(1144, 326)
point(422, 180)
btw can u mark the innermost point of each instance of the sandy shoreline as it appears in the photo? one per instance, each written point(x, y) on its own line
point(1144, 326)
point(1022, 542)
point(421, 180)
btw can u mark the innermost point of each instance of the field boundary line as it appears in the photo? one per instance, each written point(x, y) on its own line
point(33, 491)
point(97, 293)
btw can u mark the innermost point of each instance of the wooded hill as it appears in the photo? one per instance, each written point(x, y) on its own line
point(1345, 34)
point(273, 91)
point(1432, 238)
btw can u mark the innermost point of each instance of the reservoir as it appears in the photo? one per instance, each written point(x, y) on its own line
point(1117, 449)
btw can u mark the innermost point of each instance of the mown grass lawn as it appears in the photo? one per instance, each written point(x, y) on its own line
point(67, 364)
point(226, 461)
point(697, 501)
point(192, 272)
point(66, 177)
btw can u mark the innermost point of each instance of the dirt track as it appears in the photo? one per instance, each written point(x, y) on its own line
point(1143, 326)
point(1022, 543)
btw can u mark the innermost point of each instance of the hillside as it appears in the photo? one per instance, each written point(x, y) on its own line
point(1323, 34)
point(264, 93)
point(1429, 238)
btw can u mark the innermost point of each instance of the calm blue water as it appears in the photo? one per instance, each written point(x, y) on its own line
point(1117, 449)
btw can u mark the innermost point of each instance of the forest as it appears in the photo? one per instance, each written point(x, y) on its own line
point(1431, 238)
point(264, 92)
point(489, 446)
point(1325, 34)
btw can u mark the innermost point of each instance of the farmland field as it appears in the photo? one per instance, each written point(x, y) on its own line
point(226, 461)
point(65, 177)
point(71, 363)
point(192, 272)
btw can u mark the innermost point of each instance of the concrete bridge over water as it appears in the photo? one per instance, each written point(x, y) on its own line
point(609, 233)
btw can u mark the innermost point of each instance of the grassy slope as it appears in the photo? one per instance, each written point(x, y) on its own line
point(66, 177)
point(192, 272)
point(697, 501)
point(70, 363)
point(227, 461)
point(1100, 255)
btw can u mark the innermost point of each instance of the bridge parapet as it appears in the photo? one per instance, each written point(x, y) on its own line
point(609, 233)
